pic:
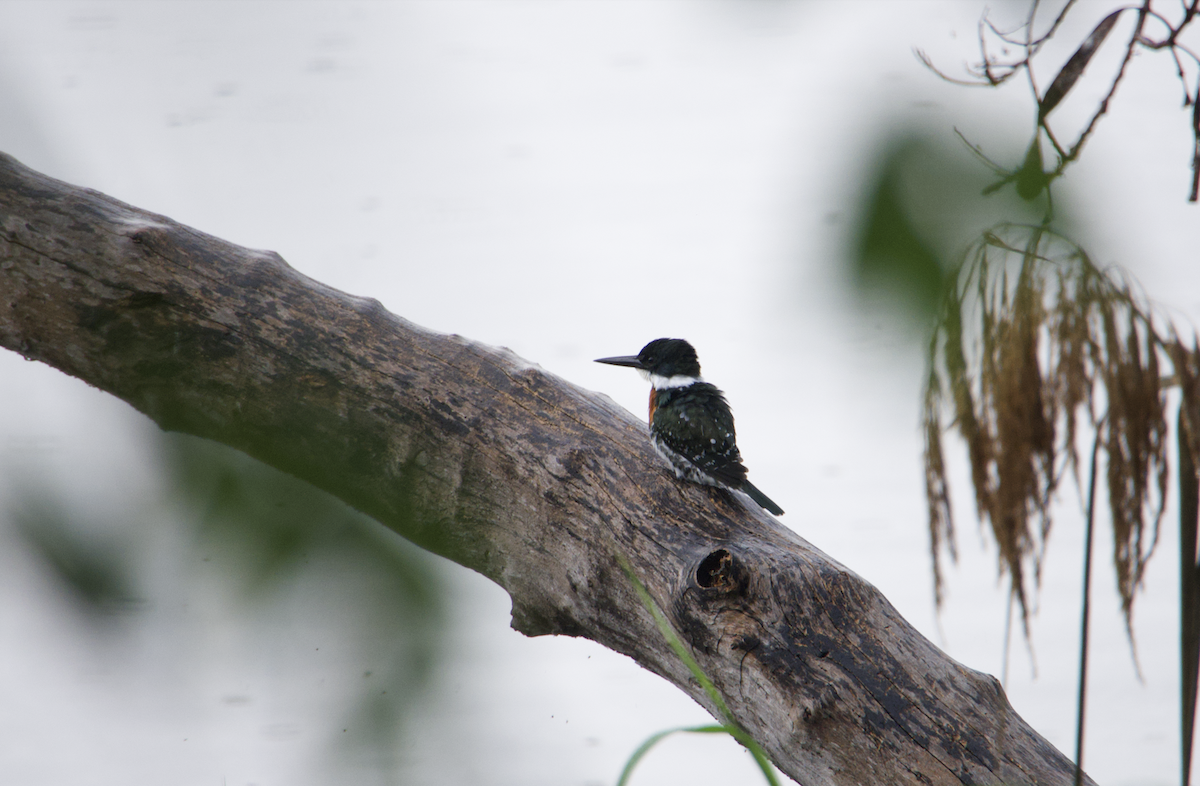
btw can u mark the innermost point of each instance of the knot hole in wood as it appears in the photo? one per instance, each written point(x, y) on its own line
point(722, 573)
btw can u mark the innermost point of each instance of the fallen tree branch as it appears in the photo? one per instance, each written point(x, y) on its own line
point(478, 456)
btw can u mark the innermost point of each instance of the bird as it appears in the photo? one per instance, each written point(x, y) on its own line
point(691, 424)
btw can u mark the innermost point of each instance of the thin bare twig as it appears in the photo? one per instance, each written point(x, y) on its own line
point(1103, 108)
point(991, 71)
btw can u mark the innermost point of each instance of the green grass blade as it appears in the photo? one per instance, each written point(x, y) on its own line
point(731, 726)
point(668, 633)
point(654, 739)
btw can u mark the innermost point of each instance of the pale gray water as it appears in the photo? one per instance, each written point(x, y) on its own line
point(526, 174)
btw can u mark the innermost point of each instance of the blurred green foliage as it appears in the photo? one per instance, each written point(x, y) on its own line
point(94, 569)
point(926, 199)
point(266, 527)
point(267, 539)
point(892, 256)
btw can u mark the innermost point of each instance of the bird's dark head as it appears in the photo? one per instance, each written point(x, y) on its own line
point(663, 357)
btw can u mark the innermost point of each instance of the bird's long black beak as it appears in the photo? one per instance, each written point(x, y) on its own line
point(623, 360)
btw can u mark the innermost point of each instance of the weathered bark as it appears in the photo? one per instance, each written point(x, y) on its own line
point(508, 470)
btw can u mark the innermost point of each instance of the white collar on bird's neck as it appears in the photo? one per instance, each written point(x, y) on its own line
point(678, 381)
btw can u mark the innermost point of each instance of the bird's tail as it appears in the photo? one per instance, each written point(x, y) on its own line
point(762, 499)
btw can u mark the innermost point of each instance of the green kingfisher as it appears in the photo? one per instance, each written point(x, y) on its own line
point(691, 424)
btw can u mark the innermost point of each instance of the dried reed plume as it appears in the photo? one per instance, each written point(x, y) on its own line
point(1031, 338)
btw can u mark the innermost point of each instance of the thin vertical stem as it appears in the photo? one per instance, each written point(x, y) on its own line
point(1189, 590)
point(1083, 635)
point(1007, 640)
